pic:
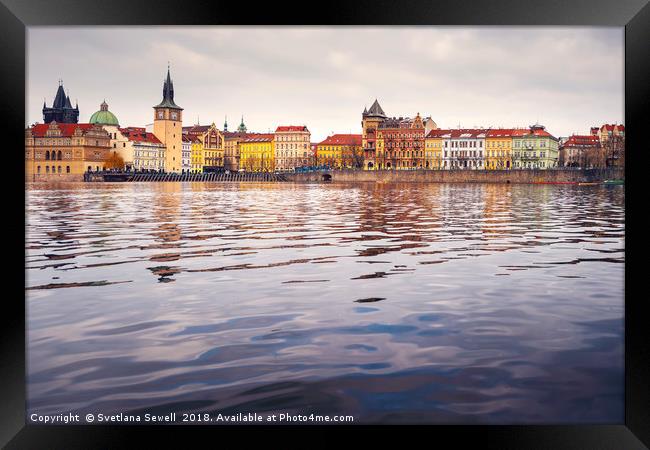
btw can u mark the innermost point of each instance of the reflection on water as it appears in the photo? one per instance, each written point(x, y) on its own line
point(395, 303)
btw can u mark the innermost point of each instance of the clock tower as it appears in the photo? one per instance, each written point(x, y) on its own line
point(168, 127)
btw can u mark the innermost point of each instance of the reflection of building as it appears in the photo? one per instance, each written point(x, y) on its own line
point(64, 151)
point(257, 153)
point(292, 147)
point(340, 150)
point(61, 110)
point(145, 149)
point(579, 151)
point(534, 149)
point(213, 149)
point(168, 126)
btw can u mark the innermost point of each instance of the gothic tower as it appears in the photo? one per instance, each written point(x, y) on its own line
point(61, 110)
point(168, 126)
point(370, 121)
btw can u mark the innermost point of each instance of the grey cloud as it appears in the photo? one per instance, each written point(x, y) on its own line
point(567, 78)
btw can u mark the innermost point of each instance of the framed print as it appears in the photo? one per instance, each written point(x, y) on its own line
point(381, 214)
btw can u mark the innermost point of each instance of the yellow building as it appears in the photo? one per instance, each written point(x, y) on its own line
point(498, 148)
point(65, 151)
point(197, 157)
point(168, 127)
point(433, 144)
point(213, 149)
point(340, 151)
point(257, 153)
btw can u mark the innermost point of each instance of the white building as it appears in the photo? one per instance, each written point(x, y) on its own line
point(292, 147)
point(148, 152)
point(464, 149)
point(186, 154)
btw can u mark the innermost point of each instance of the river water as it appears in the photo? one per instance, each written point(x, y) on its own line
point(436, 303)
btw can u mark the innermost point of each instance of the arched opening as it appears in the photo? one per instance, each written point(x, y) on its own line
point(59, 156)
point(67, 169)
point(47, 155)
point(47, 169)
point(327, 177)
point(388, 165)
point(90, 169)
point(370, 165)
point(38, 169)
point(59, 169)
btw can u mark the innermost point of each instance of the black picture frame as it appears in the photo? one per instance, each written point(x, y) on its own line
point(634, 15)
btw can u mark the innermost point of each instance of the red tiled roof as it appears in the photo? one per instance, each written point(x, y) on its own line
point(291, 128)
point(67, 129)
point(582, 141)
point(506, 132)
point(467, 132)
point(343, 139)
point(258, 137)
point(610, 127)
point(438, 132)
point(139, 135)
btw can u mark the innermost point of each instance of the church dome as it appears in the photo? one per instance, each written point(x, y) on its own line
point(104, 116)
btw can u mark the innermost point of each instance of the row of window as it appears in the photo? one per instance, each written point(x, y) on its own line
point(54, 169)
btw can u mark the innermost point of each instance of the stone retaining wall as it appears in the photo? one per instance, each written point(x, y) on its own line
point(464, 176)
point(53, 177)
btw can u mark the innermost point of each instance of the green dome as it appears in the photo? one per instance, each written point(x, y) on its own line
point(104, 116)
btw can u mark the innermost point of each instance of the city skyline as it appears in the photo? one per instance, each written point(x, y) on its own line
point(567, 78)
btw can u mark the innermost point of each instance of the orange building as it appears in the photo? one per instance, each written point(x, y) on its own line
point(65, 151)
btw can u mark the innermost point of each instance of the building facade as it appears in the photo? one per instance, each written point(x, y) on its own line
point(535, 149)
point(608, 131)
point(61, 110)
point(400, 144)
point(433, 144)
point(168, 127)
point(148, 152)
point(231, 152)
point(197, 159)
point(257, 153)
point(213, 150)
point(292, 147)
point(186, 157)
point(580, 151)
point(464, 149)
point(498, 147)
point(56, 151)
point(370, 120)
point(340, 151)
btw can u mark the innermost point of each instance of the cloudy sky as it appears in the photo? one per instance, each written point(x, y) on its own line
point(566, 78)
